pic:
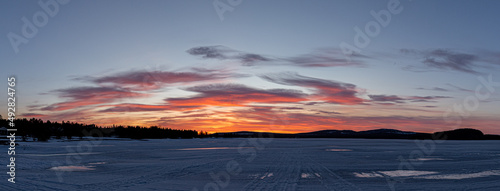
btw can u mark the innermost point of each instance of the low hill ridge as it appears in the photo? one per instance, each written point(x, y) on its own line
point(457, 134)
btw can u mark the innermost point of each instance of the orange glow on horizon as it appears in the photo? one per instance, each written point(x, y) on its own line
point(290, 124)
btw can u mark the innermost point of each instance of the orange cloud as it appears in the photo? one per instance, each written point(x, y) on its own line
point(87, 96)
point(129, 107)
point(236, 95)
point(151, 80)
point(325, 90)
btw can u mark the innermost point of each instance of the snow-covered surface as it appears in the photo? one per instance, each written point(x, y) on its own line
point(394, 173)
point(338, 150)
point(72, 168)
point(254, 164)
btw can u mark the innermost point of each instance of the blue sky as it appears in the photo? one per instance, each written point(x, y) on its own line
point(427, 58)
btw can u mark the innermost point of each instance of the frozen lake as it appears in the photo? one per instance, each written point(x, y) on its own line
point(255, 164)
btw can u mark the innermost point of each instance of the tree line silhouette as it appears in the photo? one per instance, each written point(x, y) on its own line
point(40, 130)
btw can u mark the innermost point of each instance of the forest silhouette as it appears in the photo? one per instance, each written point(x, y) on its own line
point(39, 130)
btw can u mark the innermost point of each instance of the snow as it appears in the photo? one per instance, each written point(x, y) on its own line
point(427, 159)
point(338, 150)
point(206, 148)
point(464, 176)
point(393, 173)
point(72, 168)
point(254, 164)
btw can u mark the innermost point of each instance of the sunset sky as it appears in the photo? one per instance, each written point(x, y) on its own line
point(256, 65)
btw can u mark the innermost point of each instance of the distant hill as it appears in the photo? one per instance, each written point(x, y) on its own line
point(457, 134)
point(462, 134)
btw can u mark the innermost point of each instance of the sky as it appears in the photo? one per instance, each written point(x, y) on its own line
point(269, 66)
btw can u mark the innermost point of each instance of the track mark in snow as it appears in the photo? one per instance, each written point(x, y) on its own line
point(267, 175)
point(328, 178)
point(284, 167)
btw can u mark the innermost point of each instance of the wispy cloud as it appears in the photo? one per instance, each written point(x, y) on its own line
point(386, 98)
point(236, 95)
point(219, 52)
point(426, 98)
point(325, 58)
point(86, 96)
point(132, 84)
point(225, 53)
point(435, 89)
point(398, 99)
point(151, 80)
point(325, 90)
point(319, 58)
point(328, 112)
point(81, 115)
point(130, 107)
point(33, 115)
point(460, 88)
point(443, 59)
